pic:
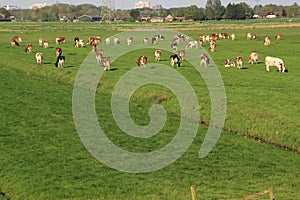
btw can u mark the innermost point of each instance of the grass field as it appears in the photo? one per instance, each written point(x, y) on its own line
point(42, 156)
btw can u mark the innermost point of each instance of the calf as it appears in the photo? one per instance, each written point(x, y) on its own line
point(145, 40)
point(61, 61)
point(239, 62)
point(106, 64)
point(175, 60)
point(79, 43)
point(181, 54)
point(204, 59)
point(174, 46)
point(28, 48)
point(38, 57)
point(212, 46)
point(58, 51)
point(274, 62)
point(251, 36)
point(253, 58)
point(45, 44)
point(229, 63)
point(142, 61)
point(154, 40)
point(267, 41)
point(157, 55)
point(59, 40)
point(99, 55)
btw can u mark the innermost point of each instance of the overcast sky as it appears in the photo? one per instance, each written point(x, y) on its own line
point(129, 4)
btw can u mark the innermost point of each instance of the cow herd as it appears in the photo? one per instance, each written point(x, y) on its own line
point(175, 59)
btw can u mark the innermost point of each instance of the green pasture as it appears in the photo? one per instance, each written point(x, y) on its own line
point(42, 156)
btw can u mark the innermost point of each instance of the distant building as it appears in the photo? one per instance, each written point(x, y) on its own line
point(169, 18)
point(142, 4)
point(37, 6)
point(146, 17)
point(157, 19)
point(8, 7)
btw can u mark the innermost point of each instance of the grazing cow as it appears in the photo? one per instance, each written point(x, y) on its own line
point(181, 54)
point(239, 62)
point(145, 41)
point(17, 38)
point(154, 40)
point(59, 40)
point(41, 42)
point(251, 36)
point(267, 41)
point(274, 62)
point(116, 41)
point(232, 36)
point(94, 40)
point(174, 46)
point(175, 60)
point(79, 43)
point(223, 36)
point(129, 40)
point(107, 41)
point(277, 36)
point(58, 51)
point(38, 57)
point(204, 59)
point(14, 43)
point(157, 55)
point(229, 63)
point(212, 46)
point(99, 55)
point(142, 61)
point(159, 37)
point(28, 48)
point(106, 64)
point(253, 58)
point(61, 61)
point(45, 44)
point(191, 45)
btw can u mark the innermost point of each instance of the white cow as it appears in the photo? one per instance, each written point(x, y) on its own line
point(253, 58)
point(274, 62)
point(38, 57)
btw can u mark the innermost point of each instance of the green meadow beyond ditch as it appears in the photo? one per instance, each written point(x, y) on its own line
point(43, 155)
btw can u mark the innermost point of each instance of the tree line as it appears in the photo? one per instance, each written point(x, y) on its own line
point(213, 10)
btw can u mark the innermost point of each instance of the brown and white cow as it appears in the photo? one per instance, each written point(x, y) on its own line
point(94, 40)
point(192, 44)
point(142, 61)
point(17, 38)
point(239, 62)
point(157, 55)
point(229, 63)
point(59, 40)
point(204, 59)
point(28, 48)
point(267, 41)
point(181, 54)
point(277, 36)
point(274, 62)
point(175, 60)
point(38, 57)
point(212, 45)
point(253, 58)
point(14, 43)
point(251, 36)
point(45, 44)
point(99, 55)
point(58, 51)
point(79, 43)
point(106, 64)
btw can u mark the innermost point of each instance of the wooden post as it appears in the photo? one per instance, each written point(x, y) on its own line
point(271, 194)
point(193, 191)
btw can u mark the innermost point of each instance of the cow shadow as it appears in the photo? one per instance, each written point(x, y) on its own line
point(69, 66)
point(113, 69)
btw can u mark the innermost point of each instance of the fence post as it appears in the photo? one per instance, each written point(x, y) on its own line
point(193, 191)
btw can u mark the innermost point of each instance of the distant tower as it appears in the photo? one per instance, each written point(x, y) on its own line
point(108, 10)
